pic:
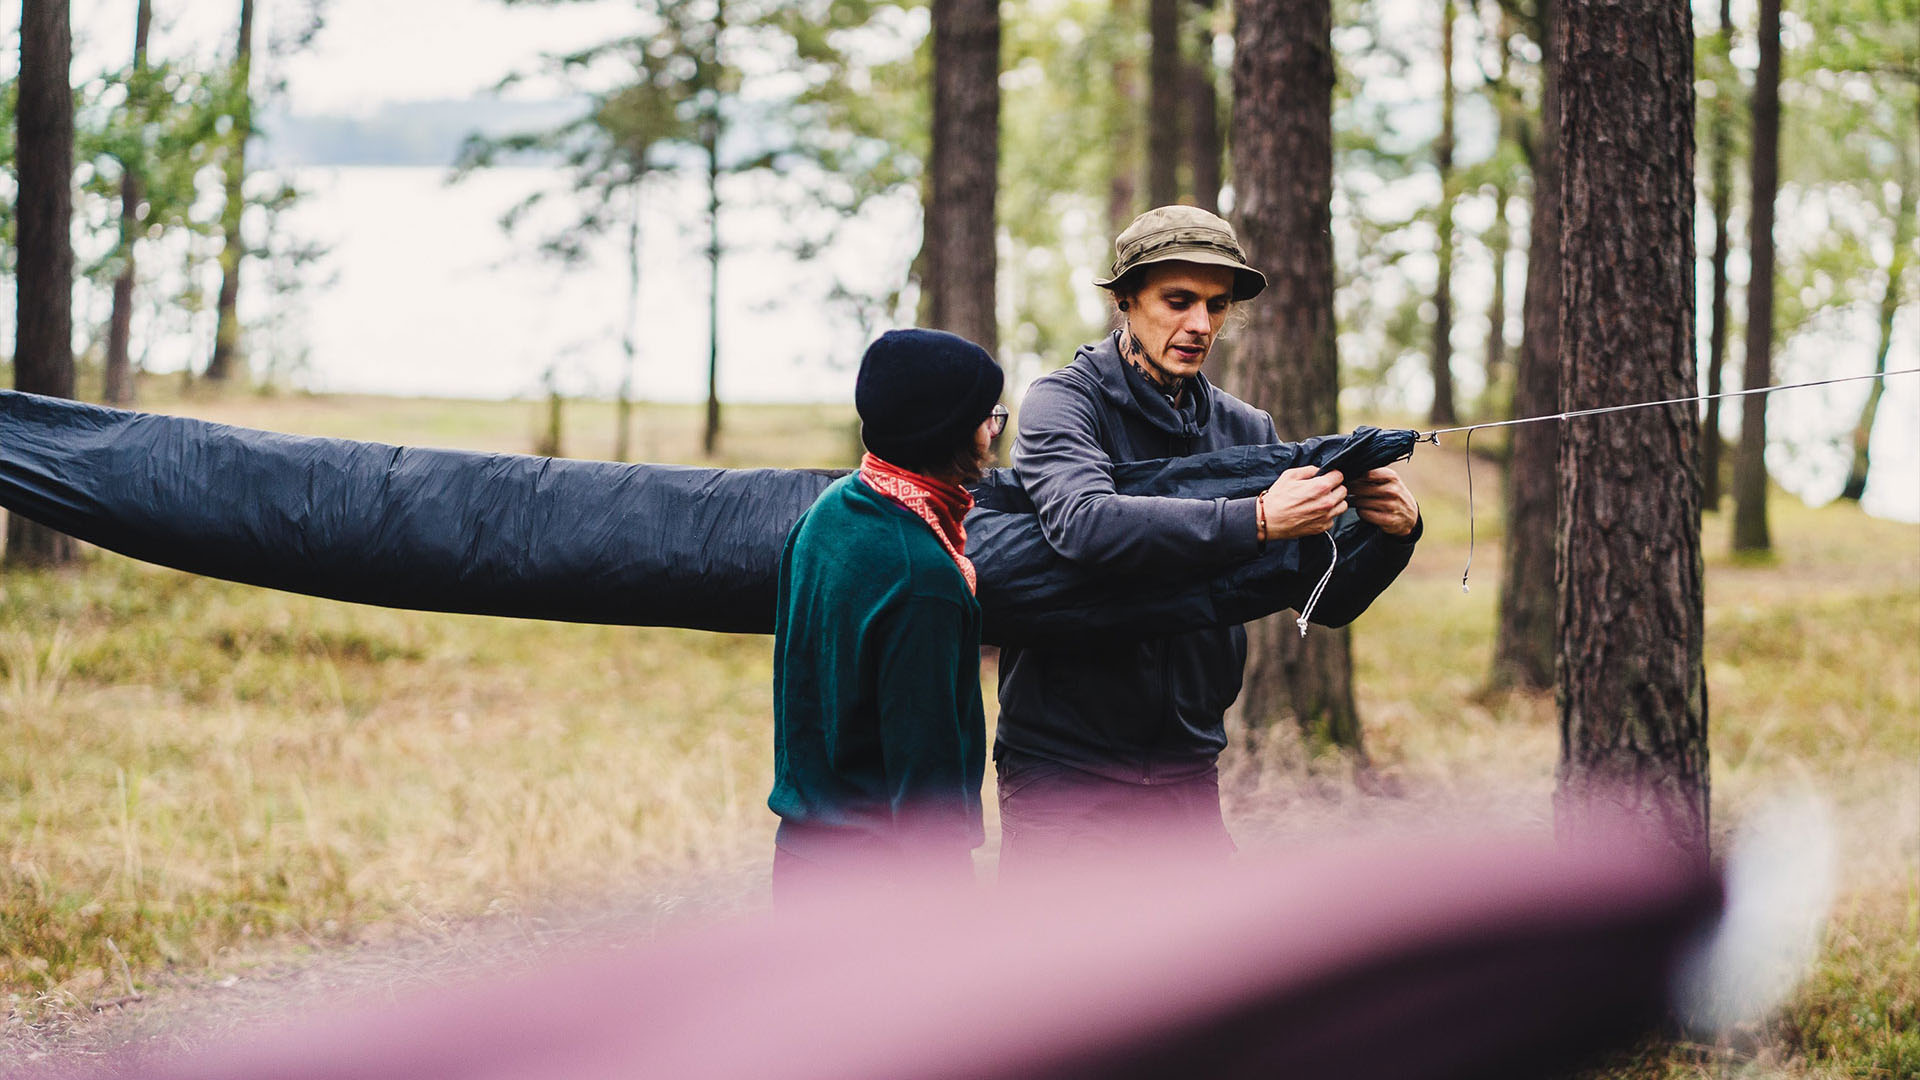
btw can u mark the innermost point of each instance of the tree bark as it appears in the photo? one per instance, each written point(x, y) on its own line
point(629, 341)
point(118, 388)
point(710, 138)
point(1123, 186)
point(1203, 109)
point(1720, 138)
point(1442, 414)
point(1856, 482)
point(1632, 701)
point(1523, 653)
point(1165, 116)
point(43, 280)
point(1286, 360)
point(963, 174)
point(226, 337)
point(1499, 233)
point(1750, 531)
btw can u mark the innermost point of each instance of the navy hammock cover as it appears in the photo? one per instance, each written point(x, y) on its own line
point(603, 542)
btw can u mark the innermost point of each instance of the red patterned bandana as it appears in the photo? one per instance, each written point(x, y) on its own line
point(942, 504)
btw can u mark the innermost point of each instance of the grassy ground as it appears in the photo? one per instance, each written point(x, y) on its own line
point(193, 773)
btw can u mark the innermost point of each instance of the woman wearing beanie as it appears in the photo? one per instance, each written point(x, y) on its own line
point(879, 734)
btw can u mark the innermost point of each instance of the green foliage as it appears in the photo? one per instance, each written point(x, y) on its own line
point(167, 123)
point(654, 96)
point(161, 123)
point(1850, 152)
point(1060, 125)
point(1388, 199)
point(9, 101)
point(862, 114)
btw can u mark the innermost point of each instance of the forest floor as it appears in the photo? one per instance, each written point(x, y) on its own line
point(224, 802)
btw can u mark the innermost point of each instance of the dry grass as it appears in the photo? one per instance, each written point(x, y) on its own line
point(196, 774)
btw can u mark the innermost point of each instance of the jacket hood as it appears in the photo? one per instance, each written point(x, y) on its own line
point(1130, 390)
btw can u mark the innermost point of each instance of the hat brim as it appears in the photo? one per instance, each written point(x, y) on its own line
point(1247, 282)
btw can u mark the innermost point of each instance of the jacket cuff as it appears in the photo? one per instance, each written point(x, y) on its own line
point(1242, 527)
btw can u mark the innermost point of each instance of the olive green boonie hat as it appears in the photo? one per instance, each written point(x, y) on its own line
point(1183, 234)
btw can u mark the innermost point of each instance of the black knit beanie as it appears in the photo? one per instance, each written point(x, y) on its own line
point(920, 392)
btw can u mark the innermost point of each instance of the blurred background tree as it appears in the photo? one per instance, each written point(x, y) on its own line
point(1852, 150)
point(1750, 531)
point(670, 97)
point(237, 129)
point(959, 250)
point(1720, 96)
point(43, 217)
point(627, 131)
point(147, 155)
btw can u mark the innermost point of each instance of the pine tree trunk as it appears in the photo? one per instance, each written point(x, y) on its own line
point(226, 337)
point(1203, 109)
point(1523, 652)
point(712, 123)
point(1632, 702)
point(963, 173)
point(1500, 237)
point(1165, 114)
point(1499, 244)
point(1286, 361)
point(1856, 483)
point(1442, 413)
point(1720, 138)
point(551, 442)
point(710, 440)
point(629, 342)
point(1123, 186)
point(43, 209)
point(118, 388)
point(1750, 531)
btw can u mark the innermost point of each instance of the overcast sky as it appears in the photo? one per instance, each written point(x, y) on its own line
point(371, 51)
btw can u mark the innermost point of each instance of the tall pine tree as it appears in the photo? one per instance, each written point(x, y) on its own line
point(226, 336)
point(43, 216)
point(118, 384)
point(1720, 197)
point(1442, 414)
point(1750, 531)
point(1286, 361)
point(958, 251)
point(1523, 653)
point(1633, 694)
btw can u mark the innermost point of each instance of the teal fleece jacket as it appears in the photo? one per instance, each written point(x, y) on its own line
point(879, 734)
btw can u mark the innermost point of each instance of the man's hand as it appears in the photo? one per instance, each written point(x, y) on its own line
point(1383, 499)
point(1301, 503)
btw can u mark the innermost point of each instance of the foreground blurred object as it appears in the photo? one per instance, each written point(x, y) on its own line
point(1781, 878)
point(1496, 957)
point(596, 541)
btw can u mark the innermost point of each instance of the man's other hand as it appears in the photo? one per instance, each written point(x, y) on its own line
point(1383, 499)
point(1301, 503)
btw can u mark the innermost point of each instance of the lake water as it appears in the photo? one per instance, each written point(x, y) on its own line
point(430, 296)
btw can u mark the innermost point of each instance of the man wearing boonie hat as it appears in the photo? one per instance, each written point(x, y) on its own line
point(1096, 742)
point(879, 735)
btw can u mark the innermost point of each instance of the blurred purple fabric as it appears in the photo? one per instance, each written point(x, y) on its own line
point(1477, 957)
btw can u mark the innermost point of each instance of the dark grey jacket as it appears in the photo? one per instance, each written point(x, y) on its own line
point(1141, 711)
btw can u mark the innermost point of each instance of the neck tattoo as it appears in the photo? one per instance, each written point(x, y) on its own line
point(1170, 386)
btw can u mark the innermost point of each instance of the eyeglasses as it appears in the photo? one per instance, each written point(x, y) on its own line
point(996, 421)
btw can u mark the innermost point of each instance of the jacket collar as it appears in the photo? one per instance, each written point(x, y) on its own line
point(1131, 391)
